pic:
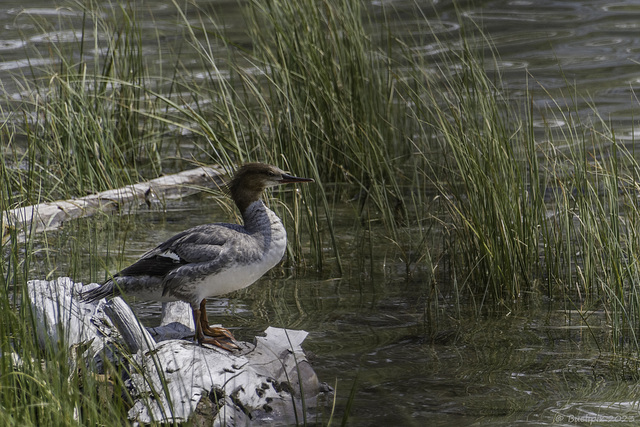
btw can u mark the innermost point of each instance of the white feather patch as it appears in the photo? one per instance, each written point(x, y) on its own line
point(171, 255)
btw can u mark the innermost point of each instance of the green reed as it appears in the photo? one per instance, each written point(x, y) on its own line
point(84, 124)
point(599, 216)
point(524, 218)
point(488, 175)
point(332, 106)
point(557, 218)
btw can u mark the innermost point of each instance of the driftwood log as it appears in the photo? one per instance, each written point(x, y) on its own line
point(173, 378)
point(50, 216)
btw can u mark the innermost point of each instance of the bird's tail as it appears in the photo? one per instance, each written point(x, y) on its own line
point(107, 290)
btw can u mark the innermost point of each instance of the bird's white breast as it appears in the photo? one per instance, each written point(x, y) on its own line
point(238, 276)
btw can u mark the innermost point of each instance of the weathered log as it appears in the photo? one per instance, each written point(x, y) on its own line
point(134, 334)
point(177, 380)
point(259, 383)
point(50, 216)
point(60, 319)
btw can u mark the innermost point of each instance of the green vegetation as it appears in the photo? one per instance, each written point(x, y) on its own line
point(443, 164)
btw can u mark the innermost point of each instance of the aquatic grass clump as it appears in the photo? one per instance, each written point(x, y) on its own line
point(528, 219)
point(81, 125)
point(596, 220)
point(330, 96)
point(45, 386)
point(525, 218)
point(334, 111)
point(320, 98)
point(485, 165)
point(86, 112)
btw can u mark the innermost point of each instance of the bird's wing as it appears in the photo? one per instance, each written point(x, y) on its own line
point(197, 245)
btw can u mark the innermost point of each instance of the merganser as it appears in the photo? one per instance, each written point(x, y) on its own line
point(212, 259)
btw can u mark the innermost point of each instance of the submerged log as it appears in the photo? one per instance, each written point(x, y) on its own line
point(174, 379)
point(50, 216)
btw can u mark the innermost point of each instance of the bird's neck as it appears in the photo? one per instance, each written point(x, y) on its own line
point(258, 217)
point(245, 193)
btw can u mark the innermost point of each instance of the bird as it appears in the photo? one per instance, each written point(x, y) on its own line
point(211, 259)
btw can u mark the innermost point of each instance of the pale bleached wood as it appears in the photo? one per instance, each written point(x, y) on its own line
point(178, 380)
point(60, 320)
point(134, 334)
point(177, 312)
point(49, 216)
point(176, 322)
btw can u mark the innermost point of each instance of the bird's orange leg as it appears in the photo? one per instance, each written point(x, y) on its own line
point(220, 337)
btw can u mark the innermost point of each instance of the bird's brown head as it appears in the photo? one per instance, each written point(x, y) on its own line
point(251, 179)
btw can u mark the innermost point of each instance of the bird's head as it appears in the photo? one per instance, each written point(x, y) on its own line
point(251, 179)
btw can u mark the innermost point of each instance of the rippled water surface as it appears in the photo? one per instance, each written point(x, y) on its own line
point(410, 357)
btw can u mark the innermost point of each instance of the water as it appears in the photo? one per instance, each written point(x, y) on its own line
point(415, 357)
point(412, 358)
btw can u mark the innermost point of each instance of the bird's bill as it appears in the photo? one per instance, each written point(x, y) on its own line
point(286, 179)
